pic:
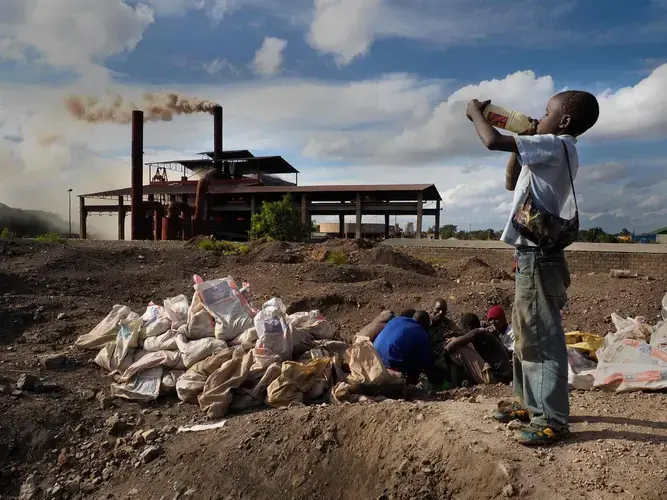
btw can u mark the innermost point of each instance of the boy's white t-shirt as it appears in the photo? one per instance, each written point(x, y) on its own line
point(544, 172)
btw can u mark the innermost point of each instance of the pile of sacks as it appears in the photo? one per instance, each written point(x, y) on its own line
point(220, 352)
point(632, 358)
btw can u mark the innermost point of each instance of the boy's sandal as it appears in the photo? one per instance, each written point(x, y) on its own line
point(533, 436)
point(507, 412)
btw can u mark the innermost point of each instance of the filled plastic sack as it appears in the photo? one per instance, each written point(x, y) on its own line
point(164, 342)
point(630, 365)
point(106, 329)
point(587, 343)
point(273, 330)
point(373, 329)
point(227, 305)
point(306, 327)
point(191, 384)
point(580, 370)
point(193, 351)
point(154, 321)
point(299, 382)
point(216, 397)
point(177, 309)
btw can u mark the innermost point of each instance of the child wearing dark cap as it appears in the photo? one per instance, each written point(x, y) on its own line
point(542, 171)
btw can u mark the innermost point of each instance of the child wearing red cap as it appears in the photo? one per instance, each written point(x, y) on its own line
point(498, 320)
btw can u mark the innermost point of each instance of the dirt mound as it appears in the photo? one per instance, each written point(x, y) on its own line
point(476, 269)
point(385, 256)
point(275, 251)
point(393, 449)
point(347, 244)
point(334, 273)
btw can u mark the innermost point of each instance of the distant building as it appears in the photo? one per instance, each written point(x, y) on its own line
point(409, 229)
point(332, 229)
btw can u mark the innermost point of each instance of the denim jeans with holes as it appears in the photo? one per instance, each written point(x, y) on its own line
point(540, 355)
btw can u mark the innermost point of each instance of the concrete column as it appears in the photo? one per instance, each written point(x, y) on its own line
point(253, 205)
point(304, 209)
point(357, 228)
point(83, 215)
point(437, 219)
point(420, 214)
point(341, 226)
point(121, 219)
point(386, 225)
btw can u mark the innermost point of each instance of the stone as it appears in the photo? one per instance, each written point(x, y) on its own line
point(26, 382)
point(61, 316)
point(6, 389)
point(105, 401)
point(117, 426)
point(56, 492)
point(53, 361)
point(150, 454)
point(509, 491)
point(169, 429)
point(73, 486)
point(149, 436)
point(30, 489)
point(514, 425)
point(87, 394)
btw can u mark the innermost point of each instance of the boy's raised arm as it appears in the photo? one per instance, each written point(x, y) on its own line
point(490, 137)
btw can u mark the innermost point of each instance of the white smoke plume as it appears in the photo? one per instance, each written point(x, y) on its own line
point(115, 109)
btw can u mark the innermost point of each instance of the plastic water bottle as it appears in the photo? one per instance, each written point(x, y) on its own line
point(506, 119)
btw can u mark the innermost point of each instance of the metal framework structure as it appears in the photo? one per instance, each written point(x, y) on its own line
point(233, 186)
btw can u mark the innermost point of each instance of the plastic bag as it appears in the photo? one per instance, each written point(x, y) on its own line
point(154, 321)
point(629, 328)
point(298, 382)
point(144, 386)
point(169, 381)
point(195, 350)
point(587, 343)
point(169, 359)
point(127, 340)
point(217, 396)
point(273, 331)
point(164, 342)
point(177, 309)
point(664, 307)
point(306, 327)
point(580, 371)
point(628, 365)
point(227, 305)
point(190, 385)
point(200, 322)
point(107, 329)
point(659, 337)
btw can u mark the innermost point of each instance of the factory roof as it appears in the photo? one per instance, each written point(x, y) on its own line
point(247, 165)
point(318, 193)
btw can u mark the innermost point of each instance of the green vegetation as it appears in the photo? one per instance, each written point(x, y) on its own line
point(224, 247)
point(336, 257)
point(279, 220)
point(6, 234)
point(50, 238)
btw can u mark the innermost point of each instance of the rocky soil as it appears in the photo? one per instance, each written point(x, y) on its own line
point(61, 436)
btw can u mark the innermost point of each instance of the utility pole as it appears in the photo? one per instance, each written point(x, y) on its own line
point(69, 211)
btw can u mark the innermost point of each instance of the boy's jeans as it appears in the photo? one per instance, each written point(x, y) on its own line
point(540, 355)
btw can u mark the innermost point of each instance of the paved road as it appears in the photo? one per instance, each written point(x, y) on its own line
point(576, 247)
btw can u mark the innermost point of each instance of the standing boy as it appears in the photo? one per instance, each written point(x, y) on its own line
point(546, 157)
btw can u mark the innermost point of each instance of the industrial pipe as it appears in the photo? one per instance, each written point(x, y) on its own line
point(137, 216)
point(217, 141)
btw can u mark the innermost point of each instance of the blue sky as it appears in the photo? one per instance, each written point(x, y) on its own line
point(349, 91)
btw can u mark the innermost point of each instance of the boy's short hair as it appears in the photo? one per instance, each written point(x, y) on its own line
point(583, 109)
point(470, 321)
point(422, 318)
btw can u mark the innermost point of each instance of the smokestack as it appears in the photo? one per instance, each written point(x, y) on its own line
point(217, 139)
point(137, 190)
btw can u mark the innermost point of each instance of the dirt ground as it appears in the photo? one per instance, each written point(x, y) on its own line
point(69, 440)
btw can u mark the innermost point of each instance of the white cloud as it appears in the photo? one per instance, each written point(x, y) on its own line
point(269, 57)
point(343, 27)
point(396, 128)
point(71, 34)
point(217, 66)
point(635, 112)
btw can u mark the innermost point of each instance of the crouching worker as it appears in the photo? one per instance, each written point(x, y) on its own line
point(403, 346)
point(480, 352)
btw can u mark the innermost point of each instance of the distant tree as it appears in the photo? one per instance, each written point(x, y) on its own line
point(448, 231)
point(625, 232)
point(279, 220)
